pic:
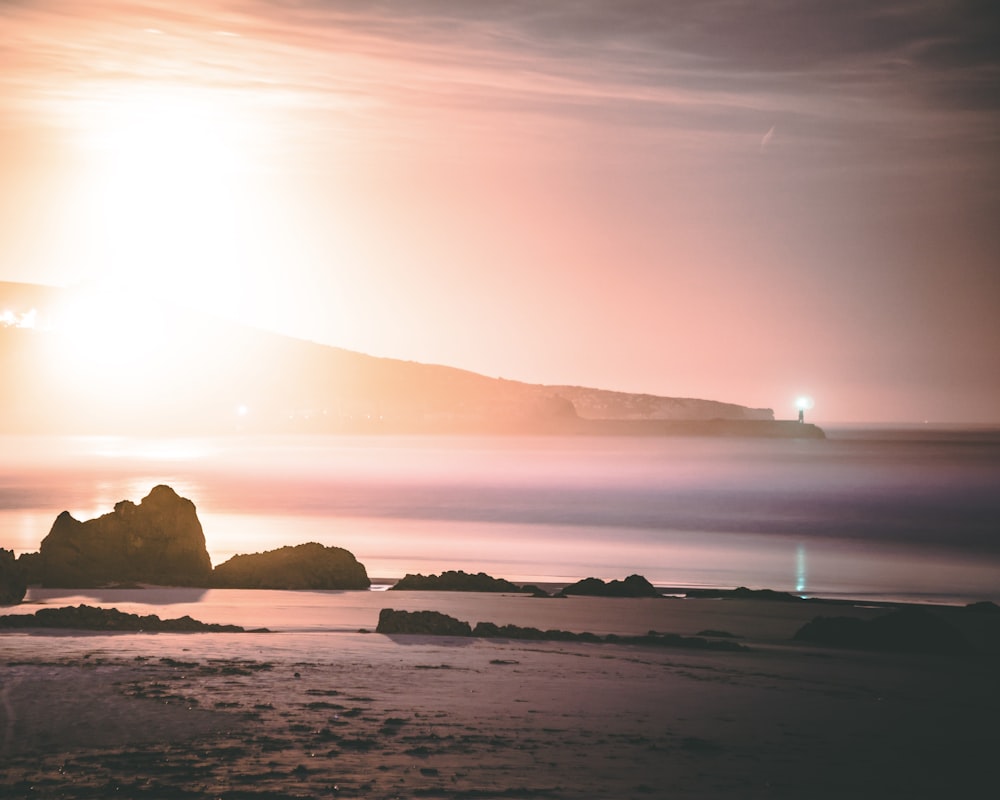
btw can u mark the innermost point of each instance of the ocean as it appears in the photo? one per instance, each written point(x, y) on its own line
point(879, 513)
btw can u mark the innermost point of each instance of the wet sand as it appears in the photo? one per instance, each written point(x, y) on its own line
point(297, 714)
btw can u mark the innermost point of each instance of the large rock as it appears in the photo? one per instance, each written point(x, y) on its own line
point(110, 619)
point(12, 580)
point(30, 565)
point(304, 566)
point(434, 623)
point(426, 623)
point(158, 541)
point(632, 586)
point(459, 581)
point(743, 593)
point(907, 630)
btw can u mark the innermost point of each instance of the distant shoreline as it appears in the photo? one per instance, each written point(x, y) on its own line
point(45, 595)
point(755, 428)
point(569, 426)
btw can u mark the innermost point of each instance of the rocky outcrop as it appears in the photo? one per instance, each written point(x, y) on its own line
point(908, 630)
point(632, 586)
point(427, 623)
point(490, 630)
point(12, 580)
point(91, 618)
point(434, 623)
point(158, 541)
point(31, 567)
point(604, 404)
point(304, 566)
point(459, 581)
point(743, 593)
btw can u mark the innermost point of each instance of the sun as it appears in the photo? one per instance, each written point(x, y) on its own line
point(107, 330)
point(168, 185)
point(166, 188)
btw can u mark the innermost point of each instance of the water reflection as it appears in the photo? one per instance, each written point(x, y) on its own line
point(156, 596)
point(800, 569)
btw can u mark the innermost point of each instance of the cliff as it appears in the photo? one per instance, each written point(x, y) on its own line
point(211, 376)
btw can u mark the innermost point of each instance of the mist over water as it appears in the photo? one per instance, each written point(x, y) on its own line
point(902, 513)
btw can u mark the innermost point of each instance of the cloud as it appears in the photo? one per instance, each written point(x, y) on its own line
point(844, 79)
point(715, 66)
point(766, 139)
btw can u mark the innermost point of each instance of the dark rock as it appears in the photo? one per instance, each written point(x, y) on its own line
point(689, 642)
point(433, 623)
point(743, 593)
point(158, 541)
point(594, 587)
point(459, 581)
point(908, 630)
point(304, 566)
point(430, 623)
point(836, 631)
point(632, 586)
point(12, 579)
point(980, 624)
point(983, 607)
point(31, 567)
point(490, 630)
point(109, 619)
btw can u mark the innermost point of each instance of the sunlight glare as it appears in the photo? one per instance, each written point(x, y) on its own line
point(170, 168)
point(11, 319)
point(108, 333)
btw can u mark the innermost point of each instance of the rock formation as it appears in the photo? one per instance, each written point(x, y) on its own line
point(304, 566)
point(12, 580)
point(91, 618)
point(30, 565)
point(743, 593)
point(427, 623)
point(459, 581)
point(434, 623)
point(907, 630)
point(632, 586)
point(158, 541)
point(490, 630)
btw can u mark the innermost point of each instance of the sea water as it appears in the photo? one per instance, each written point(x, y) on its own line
point(911, 513)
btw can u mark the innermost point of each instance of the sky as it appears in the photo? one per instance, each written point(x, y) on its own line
point(738, 200)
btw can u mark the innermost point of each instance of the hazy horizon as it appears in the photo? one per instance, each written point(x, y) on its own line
point(899, 516)
point(734, 201)
point(35, 317)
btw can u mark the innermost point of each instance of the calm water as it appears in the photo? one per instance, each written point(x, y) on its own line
point(904, 513)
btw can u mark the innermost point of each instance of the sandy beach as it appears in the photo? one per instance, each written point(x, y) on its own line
point(302, 714)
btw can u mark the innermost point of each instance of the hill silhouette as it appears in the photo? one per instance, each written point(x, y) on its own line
point(201, 374)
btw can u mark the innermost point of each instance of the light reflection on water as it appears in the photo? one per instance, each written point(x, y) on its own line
point(901, 515)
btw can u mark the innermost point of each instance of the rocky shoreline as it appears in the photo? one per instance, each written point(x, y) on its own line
point(513, 712)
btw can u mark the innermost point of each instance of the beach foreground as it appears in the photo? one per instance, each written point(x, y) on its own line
point(297, 714)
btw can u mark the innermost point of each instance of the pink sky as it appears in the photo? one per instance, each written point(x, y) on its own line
point(741, 201)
